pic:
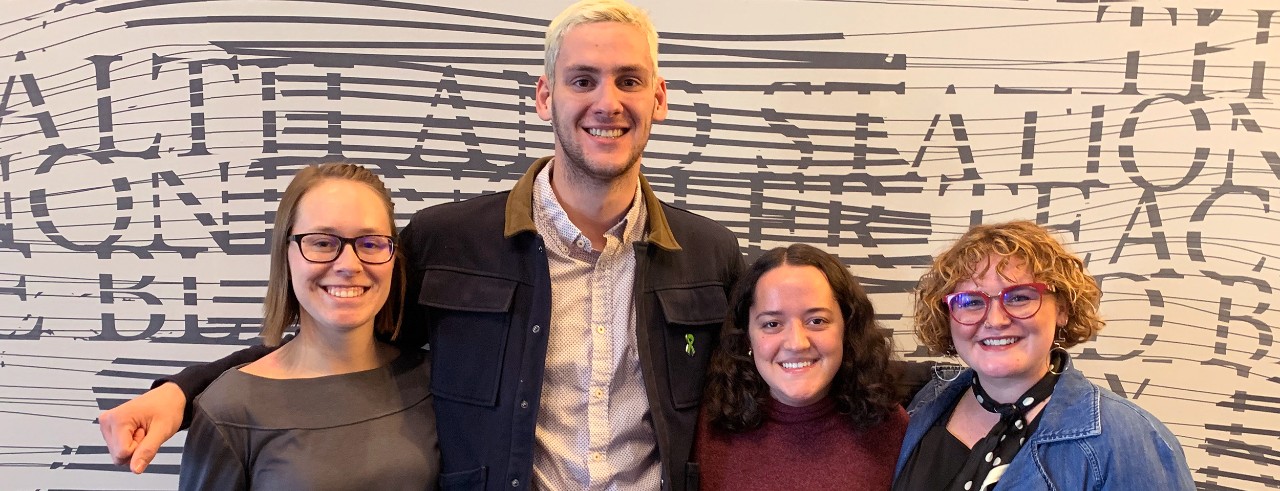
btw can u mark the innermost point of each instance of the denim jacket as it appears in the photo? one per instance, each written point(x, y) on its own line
point(1088, 438)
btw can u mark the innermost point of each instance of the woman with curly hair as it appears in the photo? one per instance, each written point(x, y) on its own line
point(1008, 299)
point(799, 390)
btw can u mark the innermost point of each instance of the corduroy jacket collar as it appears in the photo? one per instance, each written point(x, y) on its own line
point(519, 212)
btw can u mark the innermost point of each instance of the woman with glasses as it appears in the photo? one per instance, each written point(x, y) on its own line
point(1008, 299)
point(333, 408)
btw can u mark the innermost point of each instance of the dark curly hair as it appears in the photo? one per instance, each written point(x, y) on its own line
point(863, 388)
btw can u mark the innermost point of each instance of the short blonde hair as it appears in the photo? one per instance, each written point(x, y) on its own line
point(590, 12)
point(280, 308)
point(1047, 261)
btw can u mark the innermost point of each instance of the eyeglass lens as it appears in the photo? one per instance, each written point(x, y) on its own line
point(326, 247)
point(1018, 301)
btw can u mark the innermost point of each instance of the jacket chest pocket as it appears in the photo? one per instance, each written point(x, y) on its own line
point(693, 319)
point(469, 317)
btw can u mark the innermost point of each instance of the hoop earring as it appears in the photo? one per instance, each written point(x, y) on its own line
point(947, 371)
point(1058, 354)
point(749, 352)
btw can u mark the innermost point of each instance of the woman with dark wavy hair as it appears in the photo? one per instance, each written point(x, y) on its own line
point(799, 389)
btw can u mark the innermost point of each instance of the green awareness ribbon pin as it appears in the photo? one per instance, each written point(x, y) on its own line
point(688, 344)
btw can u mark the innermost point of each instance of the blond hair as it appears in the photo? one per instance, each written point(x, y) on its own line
point(590, 12)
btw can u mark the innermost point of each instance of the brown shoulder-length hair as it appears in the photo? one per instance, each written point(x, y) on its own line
point(280, 307)
point(1047, 261)
point(863, 387)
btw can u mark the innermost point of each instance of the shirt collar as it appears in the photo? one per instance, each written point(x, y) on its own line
point(551, 218)
point(519, 210)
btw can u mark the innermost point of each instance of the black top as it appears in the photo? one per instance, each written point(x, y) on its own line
point(938, 458)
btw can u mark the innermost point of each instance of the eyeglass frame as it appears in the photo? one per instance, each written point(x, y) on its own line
point(1040, 288)
point(344, 242)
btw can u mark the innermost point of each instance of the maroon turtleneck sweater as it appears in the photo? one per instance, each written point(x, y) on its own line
point(812, 448)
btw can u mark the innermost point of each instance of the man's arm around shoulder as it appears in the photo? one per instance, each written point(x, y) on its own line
point(135, 430)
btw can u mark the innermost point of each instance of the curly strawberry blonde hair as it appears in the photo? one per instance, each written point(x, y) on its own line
point(1047, 260)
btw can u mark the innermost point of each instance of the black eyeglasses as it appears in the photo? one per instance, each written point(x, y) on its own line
point(320, 247)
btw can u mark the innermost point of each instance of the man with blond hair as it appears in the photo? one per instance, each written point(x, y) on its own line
point(570, 319)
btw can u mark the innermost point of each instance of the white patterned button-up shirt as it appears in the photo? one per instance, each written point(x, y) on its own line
point(594, 428)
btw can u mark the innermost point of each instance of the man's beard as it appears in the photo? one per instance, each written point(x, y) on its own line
point(576, 160)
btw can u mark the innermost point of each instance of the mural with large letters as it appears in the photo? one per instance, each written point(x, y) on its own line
point(144, 145)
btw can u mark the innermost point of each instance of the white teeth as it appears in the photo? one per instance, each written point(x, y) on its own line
point(345, 291)
point(798, 364)
point(614, 133)
point(998, 341)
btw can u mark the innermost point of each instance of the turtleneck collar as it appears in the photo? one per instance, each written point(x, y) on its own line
point(783, 413)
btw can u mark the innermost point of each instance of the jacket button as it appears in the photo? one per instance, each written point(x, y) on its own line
point(536, 328)
point(515, 483)
point(524, 404)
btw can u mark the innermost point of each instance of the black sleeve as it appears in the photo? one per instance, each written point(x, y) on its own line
point(194, 379)
point(208, 460)
point(735, 266)
point(911, 376)
point(413, 323)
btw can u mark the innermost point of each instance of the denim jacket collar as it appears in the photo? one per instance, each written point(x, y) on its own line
point(1074, 411)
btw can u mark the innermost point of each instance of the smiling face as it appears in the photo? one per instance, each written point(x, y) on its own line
point(796, 332)
point(1003, 350)
point(345, 294)
point(605, 98)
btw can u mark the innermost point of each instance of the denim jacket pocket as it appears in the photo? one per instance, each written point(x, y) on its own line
point(694, 316)
point(469, 318)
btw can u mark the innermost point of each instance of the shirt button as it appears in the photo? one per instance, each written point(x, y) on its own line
point(597, 456)
point(597, 392)
point(515, 483)
point(536, 328)
point(600, 329)
point(524, 404)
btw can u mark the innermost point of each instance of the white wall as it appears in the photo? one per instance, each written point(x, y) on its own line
point(142, 148)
